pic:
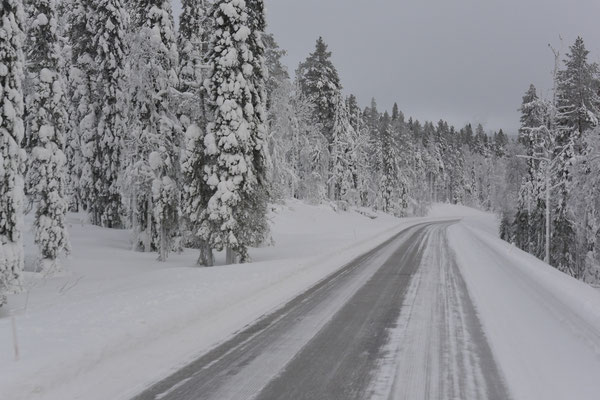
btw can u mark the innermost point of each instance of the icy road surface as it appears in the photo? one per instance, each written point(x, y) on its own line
point(397, 323)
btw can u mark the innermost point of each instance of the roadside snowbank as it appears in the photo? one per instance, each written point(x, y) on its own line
point(543, 326)
point(482, 220)
point(118, 320)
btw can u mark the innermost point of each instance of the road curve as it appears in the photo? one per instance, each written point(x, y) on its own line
point(396, 323)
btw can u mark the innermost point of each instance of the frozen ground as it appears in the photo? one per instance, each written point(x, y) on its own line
point(117, 320)
point(543, 326)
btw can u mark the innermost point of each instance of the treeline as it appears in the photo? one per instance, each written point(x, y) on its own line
point(325, 147)
point(557, 216)
point(185, 136)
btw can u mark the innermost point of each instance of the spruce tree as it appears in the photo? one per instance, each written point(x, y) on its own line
point(105, 147)
point(539, 141)
point(529, 116)
point(192, 43)
point(343, 163)
point(64, 11)
point(153, 172)
point(235, 140)
point(319, 81)
point(578, 99)
point(83, 135)
point(11, 153)
point(577, 109)
point(46, 124)
point(388, 194)
point(277, 72)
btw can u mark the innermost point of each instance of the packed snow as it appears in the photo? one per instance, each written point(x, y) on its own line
point(114, 310)
point(543, 325)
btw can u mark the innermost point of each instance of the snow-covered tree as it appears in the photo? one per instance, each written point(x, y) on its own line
point(46, 124)
point(154, 169)
point(388, 195)
point(297, 148)
point(70, 23)
point(277, 73)
point(585, 204)
point(342, 159)
point(235, 142)
point(192, 43)
point(11, 154)
point(81, 143)
point(578, 99)
point(577, 109)
point(104, 148)
point(319, 81)
point(539, 141)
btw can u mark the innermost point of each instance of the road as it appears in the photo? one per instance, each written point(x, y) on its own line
point(397, 323)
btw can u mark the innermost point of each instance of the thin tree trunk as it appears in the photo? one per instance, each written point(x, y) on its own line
point(206, 255)
point(547, 257)
point(148, 239)
point(230, 256)
point(163, 251)
point(15, 337)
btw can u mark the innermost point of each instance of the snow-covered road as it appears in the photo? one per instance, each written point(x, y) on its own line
point(442, 310)
point(543, 326)
point(396, 323)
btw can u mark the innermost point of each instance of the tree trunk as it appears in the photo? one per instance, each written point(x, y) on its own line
point(148, 239)
point(206, 255)
point(163, 251)
point(547, 257)
point(230, 256)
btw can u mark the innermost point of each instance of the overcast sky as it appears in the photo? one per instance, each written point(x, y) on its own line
point(460, 60)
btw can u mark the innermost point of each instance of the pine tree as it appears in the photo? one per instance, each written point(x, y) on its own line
point(578, 99)
point(277, 72)
point(343, 161)
point(529, 116)
point(81, 147)
point(66, 12)
point(388, 193)
point(11, 154)
point(320, 83)
point(105, 147)
point(585, 204)
point(45, 131)
point(500, 143)
point(577, 110)
point(536, 135)
point(154, 171)
point(235, 141)
point(192, 43)
point(480, 140)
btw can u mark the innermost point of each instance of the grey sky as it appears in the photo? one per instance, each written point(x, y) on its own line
point(460, 60)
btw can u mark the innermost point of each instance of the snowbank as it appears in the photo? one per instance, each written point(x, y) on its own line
point(543, 326)
point(484, 221)
point(118, 320)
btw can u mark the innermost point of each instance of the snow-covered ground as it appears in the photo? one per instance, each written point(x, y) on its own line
point(117, 320)
point(543, 326)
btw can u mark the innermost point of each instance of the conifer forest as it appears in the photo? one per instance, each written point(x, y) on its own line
point(136, 137)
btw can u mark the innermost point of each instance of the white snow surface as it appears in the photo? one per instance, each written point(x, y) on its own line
point(116, 320)
point(542, 325)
